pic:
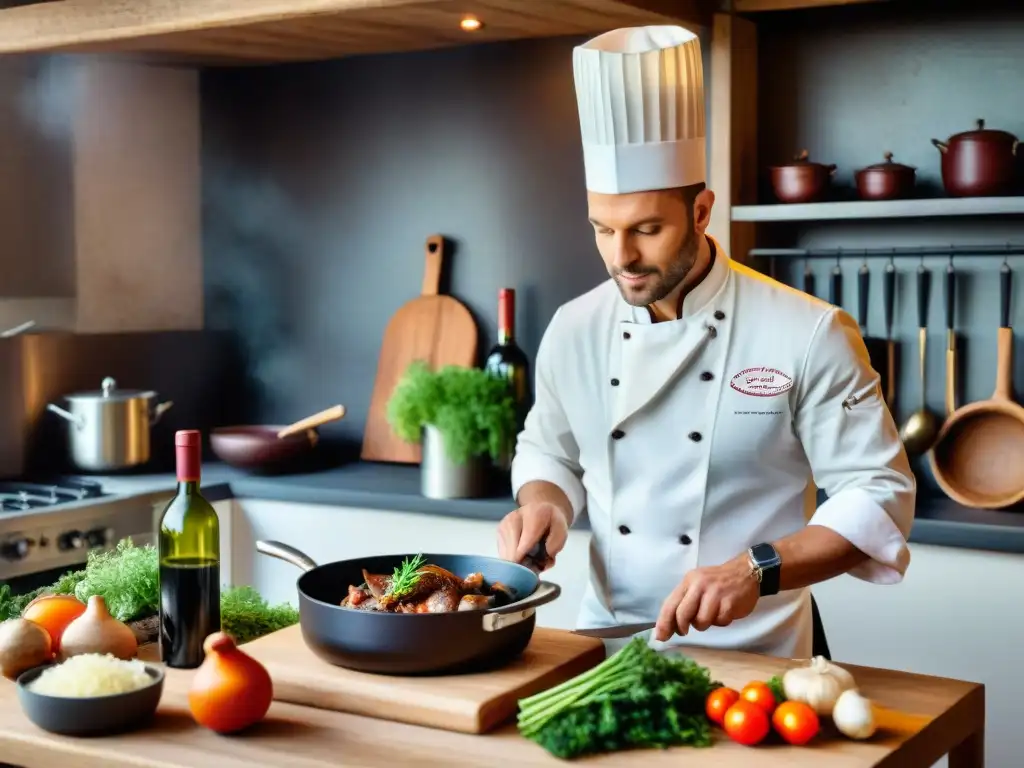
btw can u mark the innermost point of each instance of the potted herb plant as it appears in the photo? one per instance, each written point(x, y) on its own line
point(463, 416)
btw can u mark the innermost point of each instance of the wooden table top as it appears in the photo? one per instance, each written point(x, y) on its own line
point(930, 716)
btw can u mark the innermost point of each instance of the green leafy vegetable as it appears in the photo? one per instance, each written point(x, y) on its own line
point(405, 578)
point(128, 579)
point(473, 410)
point(776, 686)
point(635, 698)
point(245, 615)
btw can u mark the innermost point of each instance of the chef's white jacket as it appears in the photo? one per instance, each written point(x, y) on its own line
point(689, 441)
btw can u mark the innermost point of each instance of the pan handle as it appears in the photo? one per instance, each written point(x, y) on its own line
point(506, 616)
point(286, 553)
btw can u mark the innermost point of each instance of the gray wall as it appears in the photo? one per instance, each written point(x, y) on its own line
point(849, 84)
point(323, 181)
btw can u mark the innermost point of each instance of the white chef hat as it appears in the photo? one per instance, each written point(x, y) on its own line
point(640, 92)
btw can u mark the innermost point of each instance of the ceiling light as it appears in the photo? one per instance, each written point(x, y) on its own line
point(470, 24)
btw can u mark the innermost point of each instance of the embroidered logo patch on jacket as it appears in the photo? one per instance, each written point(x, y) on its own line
point(761, 382)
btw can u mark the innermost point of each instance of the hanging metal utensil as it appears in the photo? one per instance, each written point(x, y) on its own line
point(889, 300)
point(922, 428)
point(951, 389)
point(836, 292)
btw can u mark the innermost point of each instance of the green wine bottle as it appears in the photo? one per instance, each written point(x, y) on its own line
point(189, 554)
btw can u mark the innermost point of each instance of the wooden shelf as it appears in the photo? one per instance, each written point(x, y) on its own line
point(887, 209)
point(758, 6)
point(273, 31)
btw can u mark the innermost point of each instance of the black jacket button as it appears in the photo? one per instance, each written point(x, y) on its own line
point(615, 382)
point(618, 434)
point(707, 376)
point(719, 314)
point(623, 530)
point(695, 436)
point(685, 540)
point(625, 334)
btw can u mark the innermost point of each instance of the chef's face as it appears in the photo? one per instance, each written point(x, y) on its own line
point(649, 240)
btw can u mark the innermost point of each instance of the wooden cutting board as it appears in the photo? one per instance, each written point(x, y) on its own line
point(470, 703)
point(435, 328)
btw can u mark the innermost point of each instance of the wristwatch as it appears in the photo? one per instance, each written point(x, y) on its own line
point(766, 567)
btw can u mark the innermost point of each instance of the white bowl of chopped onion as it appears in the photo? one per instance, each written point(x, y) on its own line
point(90, 695)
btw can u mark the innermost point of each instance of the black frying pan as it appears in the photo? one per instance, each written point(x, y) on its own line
point(413, 643)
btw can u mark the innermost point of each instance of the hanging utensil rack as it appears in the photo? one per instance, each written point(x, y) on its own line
point(863, 253)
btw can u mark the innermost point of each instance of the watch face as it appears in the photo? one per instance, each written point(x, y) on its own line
point(764, 554)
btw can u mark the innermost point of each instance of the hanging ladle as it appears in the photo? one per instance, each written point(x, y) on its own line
point(921, 430)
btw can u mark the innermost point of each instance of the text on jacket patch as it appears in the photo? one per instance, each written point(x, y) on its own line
point(761, 382)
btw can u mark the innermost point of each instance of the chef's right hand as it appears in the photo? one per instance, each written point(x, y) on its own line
point(519, 532)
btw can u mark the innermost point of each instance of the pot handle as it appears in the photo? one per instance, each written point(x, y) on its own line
point(159, 410)
point(499, 618)
point(940, 145)
point(77, 421)
point(286, 553)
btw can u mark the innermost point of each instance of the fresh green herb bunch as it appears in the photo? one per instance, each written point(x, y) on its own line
point(635, 698)
point(405, 577)
point(474, 410)
point(128, 579)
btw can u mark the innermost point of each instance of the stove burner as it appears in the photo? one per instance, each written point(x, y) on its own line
point(17, 496)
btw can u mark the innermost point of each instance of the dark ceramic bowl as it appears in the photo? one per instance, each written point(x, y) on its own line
point(92, 716)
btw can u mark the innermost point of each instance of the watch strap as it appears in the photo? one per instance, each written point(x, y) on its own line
point(766, 567)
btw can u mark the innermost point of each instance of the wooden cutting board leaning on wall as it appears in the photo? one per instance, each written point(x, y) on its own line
point(432, 327)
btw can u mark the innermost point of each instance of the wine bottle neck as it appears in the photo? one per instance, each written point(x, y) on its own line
point(506, 316)
point(188, 487)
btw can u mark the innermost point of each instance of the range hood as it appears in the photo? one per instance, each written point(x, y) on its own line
point(272, 31)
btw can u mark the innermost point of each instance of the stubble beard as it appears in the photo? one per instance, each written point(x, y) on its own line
point(666, 282)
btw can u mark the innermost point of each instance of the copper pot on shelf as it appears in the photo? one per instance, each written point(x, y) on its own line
point(801, 181)
point(979, 163)
point(886, 180)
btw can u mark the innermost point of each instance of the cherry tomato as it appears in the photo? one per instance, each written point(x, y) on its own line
point(760, 694)
point(719, 700)
point(746, 723)
point(795, 722)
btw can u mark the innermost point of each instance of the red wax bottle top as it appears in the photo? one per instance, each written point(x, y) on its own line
point(188, 438)
point(506, 310)
point(188, 455)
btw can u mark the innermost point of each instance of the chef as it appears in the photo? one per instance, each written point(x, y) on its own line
point(689, 404)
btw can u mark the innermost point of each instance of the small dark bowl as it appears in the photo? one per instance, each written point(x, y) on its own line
point(92, 716)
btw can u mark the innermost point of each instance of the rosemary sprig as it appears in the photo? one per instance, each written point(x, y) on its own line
point(405, 577)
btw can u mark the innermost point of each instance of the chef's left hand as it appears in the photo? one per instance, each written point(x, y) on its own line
point(715, 595)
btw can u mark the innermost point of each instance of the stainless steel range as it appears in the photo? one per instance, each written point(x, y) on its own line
point(48, 527)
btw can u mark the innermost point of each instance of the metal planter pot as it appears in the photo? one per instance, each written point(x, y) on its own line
point(110, 429)
point(442, 478)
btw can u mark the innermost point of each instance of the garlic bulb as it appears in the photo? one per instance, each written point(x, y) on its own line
point(818, 684)
point(854, 715)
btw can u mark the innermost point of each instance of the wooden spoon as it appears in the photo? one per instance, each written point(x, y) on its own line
point(333, 413)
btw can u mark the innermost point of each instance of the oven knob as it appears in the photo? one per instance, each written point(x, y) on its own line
point(97, 537)
point(70, 540)
point(15, 549)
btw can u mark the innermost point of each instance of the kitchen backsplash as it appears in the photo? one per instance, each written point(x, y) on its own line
point(203, 373)
point(322, 181)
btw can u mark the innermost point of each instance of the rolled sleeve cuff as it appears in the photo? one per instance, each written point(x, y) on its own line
point(529, 469)
point(858, 518)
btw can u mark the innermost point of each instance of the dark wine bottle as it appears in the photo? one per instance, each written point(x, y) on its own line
point(507, 360)
point(189, 553)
